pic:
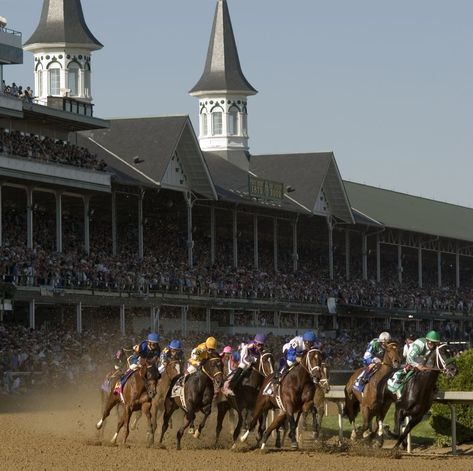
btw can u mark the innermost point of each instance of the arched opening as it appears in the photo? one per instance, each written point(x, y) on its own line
point(73, 78)
point(54, 75)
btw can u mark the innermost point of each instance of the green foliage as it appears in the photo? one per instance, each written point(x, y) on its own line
point(440, 418)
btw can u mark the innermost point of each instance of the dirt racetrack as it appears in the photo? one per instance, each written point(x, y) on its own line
point(57, 431)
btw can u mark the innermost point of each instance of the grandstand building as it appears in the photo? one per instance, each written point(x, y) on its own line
point(158, 225)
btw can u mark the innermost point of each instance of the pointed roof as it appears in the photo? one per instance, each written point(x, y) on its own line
point(62, 23)
point(222, 72)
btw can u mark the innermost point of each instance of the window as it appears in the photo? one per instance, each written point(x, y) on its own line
point(87, 83)
point(204, 124)
point(54, 81)
point(244, 124)
point(39, 87)
point(73, 81)
point(233, 123)
point(217, 123)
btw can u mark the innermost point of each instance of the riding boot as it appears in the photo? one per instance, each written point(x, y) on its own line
point(229, 389)
point(278, 374)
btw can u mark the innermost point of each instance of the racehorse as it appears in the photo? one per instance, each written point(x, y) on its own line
point(370, 400)
point(135, 395)
point(418, 394)
point(198, 394)
point(295, 394)
point(246, 393)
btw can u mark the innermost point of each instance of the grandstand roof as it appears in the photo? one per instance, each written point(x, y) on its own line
point(309, 174)
point(222, 71)
point(154, 142)
point(62, 22)
point(412, 213)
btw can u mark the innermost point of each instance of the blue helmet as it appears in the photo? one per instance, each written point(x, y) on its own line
point(153, 337)
point(309, 336)
point(175, 345)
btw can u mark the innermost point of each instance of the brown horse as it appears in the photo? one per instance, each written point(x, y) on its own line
point(296, 394)
point(246, 392)
point(370, 400)
point(136, 395)
point(199, 391)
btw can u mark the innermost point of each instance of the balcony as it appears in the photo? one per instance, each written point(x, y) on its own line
point(11, 50)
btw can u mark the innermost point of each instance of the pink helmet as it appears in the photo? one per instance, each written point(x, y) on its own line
point(227, 349)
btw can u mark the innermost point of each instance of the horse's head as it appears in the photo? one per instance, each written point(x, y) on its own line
point(392, 355)
point(213, 368)
point(265, 364)
point(173, 369)
point(312, 361)
point(445, 360)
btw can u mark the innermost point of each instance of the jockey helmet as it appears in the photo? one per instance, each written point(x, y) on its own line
point(384, 337)
point(433, 336)
point(227, 349)
point(175, 345)
point(260, 338)
point(211, 343)
point(153, 337)
point(309, 336)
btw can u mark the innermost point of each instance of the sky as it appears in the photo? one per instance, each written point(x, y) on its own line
point(386, 85)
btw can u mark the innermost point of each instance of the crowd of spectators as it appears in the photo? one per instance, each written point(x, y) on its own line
point(46, 149)
point(17, 91)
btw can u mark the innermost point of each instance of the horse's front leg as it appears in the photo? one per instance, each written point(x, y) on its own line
point(169, 408)
point(206, 410)
point(146, 410)
point(112, 401)
point(278, 420)
point(292, 428)
point(257, 411)
point(222, 409)
point(367, 418)
point(188, 419)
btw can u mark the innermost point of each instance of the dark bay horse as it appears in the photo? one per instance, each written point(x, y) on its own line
point(296, 394)
point(246, 392)
point(370, 401)
point(199, 391)
point(418, 394)
point(136, 396)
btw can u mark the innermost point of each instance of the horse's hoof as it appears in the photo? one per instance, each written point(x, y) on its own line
point(378, 443)
point(263, 445)
point(353, 435)
point(191, 430)
point(99, 424)
point(234, 446)
point(113, 441)
point(197, 434)
point(244, 436)
point(294, 445)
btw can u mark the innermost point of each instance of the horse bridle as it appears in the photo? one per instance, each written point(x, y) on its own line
point(441, 363)
point(312, 369)
point(261, 369)
point(216, 374)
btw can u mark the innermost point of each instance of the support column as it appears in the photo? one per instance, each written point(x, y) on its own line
point(364, 254)
point(439, 268)
point(255, 242)
point(334, 322)
point(330, 246)
point(114, 223)
point(378, 259)
point(419, 266)
point(140, 225)
point(235, 238)
point(295, 255)
point(32, 314)
point(58, 222)
point(122, 320)
point(79, 318)
point(275, 243)
point(212, 235)
point(1, 217)
point(457, 268)
point(232, 322)
point(190, 242)
point(277, 319)
point(87, 224)
point(399, 263)
point(208, 324)
point(29, 217)
point(184, 310)
point(347, 254)
point(316, 325)
point(157, 319)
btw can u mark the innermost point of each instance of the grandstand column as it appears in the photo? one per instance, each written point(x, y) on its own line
point(419, 266)
point(275, 243)
point(122, 319)
point(235, 237)
point(364, 254)
point(277, 319)
point(32, 314)
point(140, 224)
point(295, 255)
point(114, 223)
point(184, 310)
point(334, 322)
point(190, 242)
point(157, 319)
point(208, 312)
point(255, 242)
point(212, 235)
point(87, 223)
point(79, 318)
point(316, 324)
point(378, 259)
point(399, 263)
point(58, 221)
point(347, 254)
point(232, 322)
point(417, 325)
point(457, 268)
point(29, 217)
point(330, 246)
point(1, 211)
point(439, 268)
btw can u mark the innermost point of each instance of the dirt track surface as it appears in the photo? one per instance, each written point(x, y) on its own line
point(57, 431)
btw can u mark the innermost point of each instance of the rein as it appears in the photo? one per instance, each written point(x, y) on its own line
point(208, 374)
point(261, 366)
point(308, 367)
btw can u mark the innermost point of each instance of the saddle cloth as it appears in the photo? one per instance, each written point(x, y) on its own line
point(178, 391)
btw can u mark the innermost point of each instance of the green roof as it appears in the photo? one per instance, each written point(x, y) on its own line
point(411, 213)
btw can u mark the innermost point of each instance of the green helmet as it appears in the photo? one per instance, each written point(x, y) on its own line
point(433, 336)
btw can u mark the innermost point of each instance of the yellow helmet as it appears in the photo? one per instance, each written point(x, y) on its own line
point(211, 343)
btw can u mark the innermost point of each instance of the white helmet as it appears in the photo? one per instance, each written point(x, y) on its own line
point(384, 337)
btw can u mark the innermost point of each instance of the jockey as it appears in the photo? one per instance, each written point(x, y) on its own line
point(418, 354)
point(149, 350)
point(172, 352)
point(249, 354)
point(229, 360)
point(372, 359)
point(293, 351)
point(202, 352)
